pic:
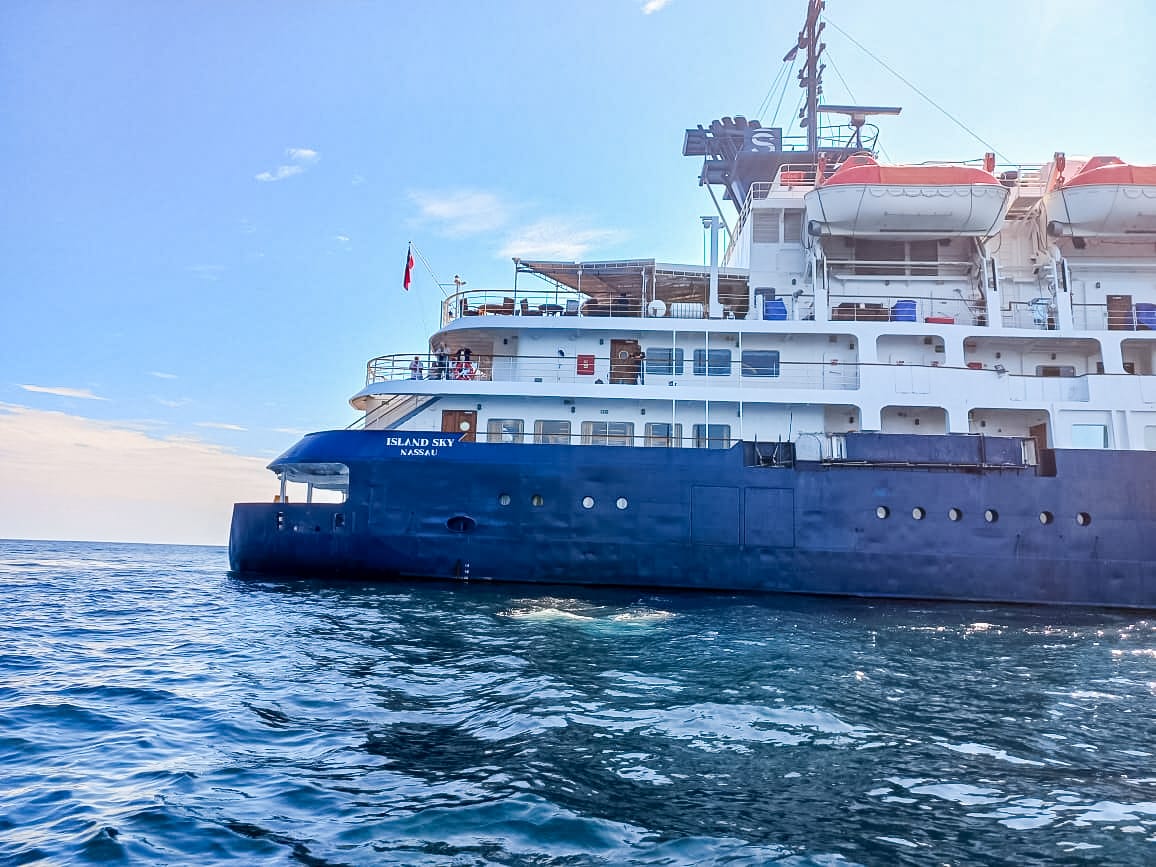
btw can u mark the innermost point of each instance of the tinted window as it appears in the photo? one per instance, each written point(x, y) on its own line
point(712, 436)
point(664, 362)
point(505, 430)
point(760, 362)
point(608, 433)
point(551, 431)
point(664, 434)
point(713, 362)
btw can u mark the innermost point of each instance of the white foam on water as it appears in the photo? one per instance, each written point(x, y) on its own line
point(983, 750)
point(899, 841)
point(961, 793)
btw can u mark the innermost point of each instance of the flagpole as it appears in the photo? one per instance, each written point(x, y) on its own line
point(425, 263)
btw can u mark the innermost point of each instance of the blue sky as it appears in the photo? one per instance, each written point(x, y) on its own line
point(206, 206)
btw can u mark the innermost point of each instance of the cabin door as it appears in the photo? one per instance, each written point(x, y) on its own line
point(1039, 432)
point(463, 421)
point(625, 365)
point(835, 369)
point(1120, 313)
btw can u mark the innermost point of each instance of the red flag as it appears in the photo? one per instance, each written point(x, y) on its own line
point(408, 268)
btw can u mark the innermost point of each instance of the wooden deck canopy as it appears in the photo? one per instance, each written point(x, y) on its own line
point(638, 279)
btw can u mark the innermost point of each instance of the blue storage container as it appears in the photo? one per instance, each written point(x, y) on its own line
point(1146, 316)
point(774, 308)
point(903, 311)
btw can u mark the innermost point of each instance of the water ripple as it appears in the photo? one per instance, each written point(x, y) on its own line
point(155, 710)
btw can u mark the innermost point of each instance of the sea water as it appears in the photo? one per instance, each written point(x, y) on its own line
point(155, 709)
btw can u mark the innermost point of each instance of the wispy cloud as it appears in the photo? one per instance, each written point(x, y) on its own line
point(161, 375)
point(469, 212)
point(341, 239)
point(299, 160)
point(555, 239)
point(220, 425)
point(652, 6)
point(289, 430)
point(64, 476)
point(63, 391)
point(462, 212)
point(173, 404)
point(280, 173)
point(212, 273)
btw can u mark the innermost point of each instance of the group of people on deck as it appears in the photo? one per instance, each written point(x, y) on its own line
point(462, 366)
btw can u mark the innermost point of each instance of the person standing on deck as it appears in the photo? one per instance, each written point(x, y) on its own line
point(441, 363)
point(639, 359)
point(415, 368)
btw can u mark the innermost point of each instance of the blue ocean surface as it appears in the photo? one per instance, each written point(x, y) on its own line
point(155, 709)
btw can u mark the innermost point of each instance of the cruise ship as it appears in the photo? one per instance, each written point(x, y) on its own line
point(929, 381)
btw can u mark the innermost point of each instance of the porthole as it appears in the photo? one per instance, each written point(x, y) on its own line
point(587, 502)
point(1046, 518)
point(461, 524)
point(991, 516)
point(536, 500)
point(621, 502)
point(919, 513)
point(882, 512)
point(954, 514)
point(1083, 519)
point(503, 499)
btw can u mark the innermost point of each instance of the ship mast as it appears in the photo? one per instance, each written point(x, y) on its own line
point(811, 78)
point(738, 153)
point(811, 75)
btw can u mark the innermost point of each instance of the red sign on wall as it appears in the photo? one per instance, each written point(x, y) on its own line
point(586, 365)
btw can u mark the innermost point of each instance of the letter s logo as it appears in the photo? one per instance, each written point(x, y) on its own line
point(763, 139)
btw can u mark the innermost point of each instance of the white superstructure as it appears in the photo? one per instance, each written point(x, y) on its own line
point(1010, 330)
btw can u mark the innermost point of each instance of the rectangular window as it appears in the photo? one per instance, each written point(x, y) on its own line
point(712, 436)
point(663, 434)
point(923, 251)
point(552, 432)
point(761, 362)
point(505, 430)
point(1129, 367)
point(1055, 370)
point(880, 253)
point(1089, 436)
point(765, 225)
point(712, 362)
point(608, 433)
point(664, 362)
point(792, 226)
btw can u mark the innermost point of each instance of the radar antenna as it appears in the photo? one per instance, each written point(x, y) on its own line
point(857, 116)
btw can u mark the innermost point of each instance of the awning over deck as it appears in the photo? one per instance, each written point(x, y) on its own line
point(642, 279)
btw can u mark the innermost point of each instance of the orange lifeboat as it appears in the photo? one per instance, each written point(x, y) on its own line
point(862, 198)
point(1107, 197)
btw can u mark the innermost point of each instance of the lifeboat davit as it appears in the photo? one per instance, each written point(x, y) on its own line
point(1107, 197)
point(863, 198)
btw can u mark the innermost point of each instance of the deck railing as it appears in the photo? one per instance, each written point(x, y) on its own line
point(594, 370)
point(830, 375)
point(488, 302)
point(945, 308)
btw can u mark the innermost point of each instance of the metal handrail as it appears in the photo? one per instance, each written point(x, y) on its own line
point(636, 439)
point(665, 373)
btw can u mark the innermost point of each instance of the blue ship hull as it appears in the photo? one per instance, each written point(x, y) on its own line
point(719, 520)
